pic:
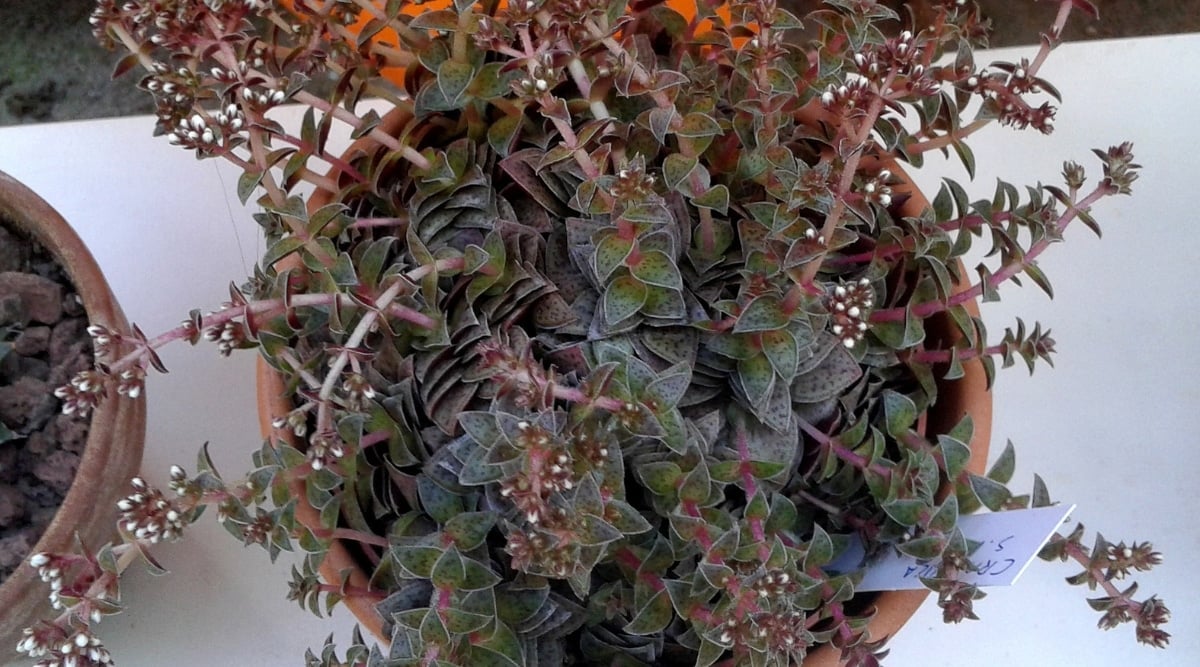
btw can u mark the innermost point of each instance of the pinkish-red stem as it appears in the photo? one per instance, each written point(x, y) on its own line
point(1013, 268)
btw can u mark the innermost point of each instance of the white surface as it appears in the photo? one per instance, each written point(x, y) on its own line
point(1112, 428)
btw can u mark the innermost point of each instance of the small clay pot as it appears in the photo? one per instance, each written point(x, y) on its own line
point(116, 435)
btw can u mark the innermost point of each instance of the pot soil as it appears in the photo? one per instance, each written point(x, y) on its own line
point(968, 395)
point(60, 477)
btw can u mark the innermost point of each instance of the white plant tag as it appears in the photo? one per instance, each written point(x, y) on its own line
point(1009, 542)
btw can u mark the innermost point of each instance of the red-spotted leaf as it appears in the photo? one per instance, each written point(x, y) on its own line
point(655, 268)
point(763, 314)
point(610, 254)
point(623, 298)
point(655, 615)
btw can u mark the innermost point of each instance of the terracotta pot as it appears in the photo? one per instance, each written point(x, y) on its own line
point(118, 426)
point(686, 8)
point(967, 395)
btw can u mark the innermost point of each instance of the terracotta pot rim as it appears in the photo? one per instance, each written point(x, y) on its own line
point(116, 435)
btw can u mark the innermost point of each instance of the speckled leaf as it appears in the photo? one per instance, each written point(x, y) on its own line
point(716, 198)
point(504, 643)
point(697, 124)
point(448, 571)
point(991, 493)
point(900, 412)
point(762, 314)
point(610, 254)
point(625, 518)
point(676, 168)
point(954, 453)
point(923, 548)
point(782, 351)
point(756, 377)
point(587, 498)
point(516, 605)
point(776, 413)
point(655, 615)
point(418, 561)
point(697, 484)
point(660, 477)
point(477, 576)
point(899, 335)
point(672, 344)
point(623, 297)
point(502, 134)
point(836, 372)
point(664, 303)
point(1002, 470)
point(440, 504)
point(593, 531)
point(906, 512)
point(469, 529)
point(820, 548)
point(655, 268)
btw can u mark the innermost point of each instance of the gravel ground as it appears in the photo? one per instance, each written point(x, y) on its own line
point(51, 69)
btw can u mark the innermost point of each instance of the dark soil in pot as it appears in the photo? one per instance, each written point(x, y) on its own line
point(43, 343)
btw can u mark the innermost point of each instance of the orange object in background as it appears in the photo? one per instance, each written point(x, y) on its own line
point(686, 8)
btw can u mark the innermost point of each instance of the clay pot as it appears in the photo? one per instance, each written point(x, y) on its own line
point(967, 395)
point(115, 438)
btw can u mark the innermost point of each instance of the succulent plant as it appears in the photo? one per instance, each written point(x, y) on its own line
point(605, 338)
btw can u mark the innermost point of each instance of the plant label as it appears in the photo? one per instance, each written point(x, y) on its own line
point(1008, 543)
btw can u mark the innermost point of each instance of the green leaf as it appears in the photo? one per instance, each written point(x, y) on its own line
point(1002, 470)
point(492, 81)
point(661, 477)
point(900, 412)
point(280, 249)
point(676, 168)
point(655, 615)
point(504, 642)
point(247, 183)
point(448, 573)
point(923, 548)
point(461, 622)
point(453, 78)
point(439, 503)
point(1041, 495)
point(502, 134)
point(905, 512)
point(611, 252)
point(782, 351)
point(697, 485)
point(946, 517)
point(757, 378)
point(516, 605)
point(697, 124)
point(967, 156)
point(715, 198)
point(820, 548)
point(625, 518)
point(468, 530)
point(593, 531)
point(623, 298)
point(762, 314)
point(477, 576)
point(482, 427)
point(991, 493)
point(654, 267)
point(417, 560)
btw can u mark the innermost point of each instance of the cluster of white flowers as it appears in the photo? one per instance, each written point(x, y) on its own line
point(147, 515)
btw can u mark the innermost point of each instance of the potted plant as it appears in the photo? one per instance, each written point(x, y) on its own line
point(59, 479)
point(617, 324)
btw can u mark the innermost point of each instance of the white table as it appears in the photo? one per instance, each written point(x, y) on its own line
point(1113, 428)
